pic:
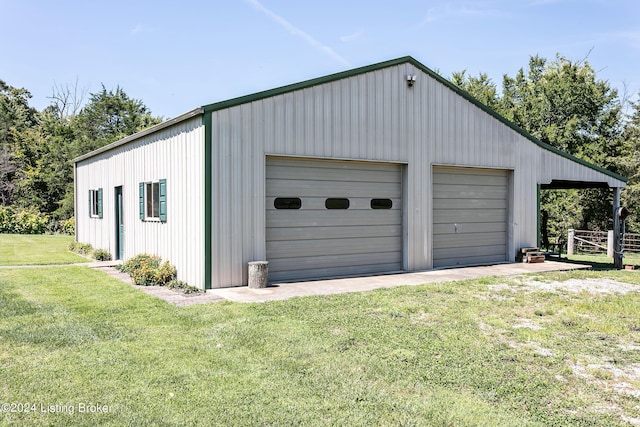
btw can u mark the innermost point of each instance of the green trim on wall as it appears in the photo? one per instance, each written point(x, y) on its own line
point(208, 209)
point(404, 60)
point(100, 203)
point(141, 200)
point(162, 202)
point(538, 238)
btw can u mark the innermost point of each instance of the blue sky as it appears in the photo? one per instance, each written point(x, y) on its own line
point(175, 56)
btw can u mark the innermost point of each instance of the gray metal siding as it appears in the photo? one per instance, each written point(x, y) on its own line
point(372, 116)
point(470, 214)
point(175, 154)
point(313, 241)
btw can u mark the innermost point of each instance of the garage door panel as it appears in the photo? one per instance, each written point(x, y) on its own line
point(471, 204)
point(468, 228)
point(470, 214)
point(340, 175)
point(317, 242)
point(471, 252)
point(335, 262)
point(306, 163)
point(491, 178)
point(314, 273)
point(315, 233)
point(445, 241)
point(458, 261)
point(345, 246)
point(307, 188)
point(328, 218)
point(469, 192)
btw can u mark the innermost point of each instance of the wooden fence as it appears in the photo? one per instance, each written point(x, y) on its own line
point(599, 242)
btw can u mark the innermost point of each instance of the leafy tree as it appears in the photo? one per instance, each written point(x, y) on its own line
point(564, 104)
point(45, 176)
point(630, 165)
point(43, 152)
point(7, 174)
point(109, 116)
point(15, 117)
point(482, 87)
point(15, 113)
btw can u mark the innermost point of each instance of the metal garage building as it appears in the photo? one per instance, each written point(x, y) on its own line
point(383, 168)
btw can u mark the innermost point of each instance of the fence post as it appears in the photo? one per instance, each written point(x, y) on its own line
point(570, 241)
point(617, 244)
point(610, 244)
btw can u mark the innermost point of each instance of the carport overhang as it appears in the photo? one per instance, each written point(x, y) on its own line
point(558, 184)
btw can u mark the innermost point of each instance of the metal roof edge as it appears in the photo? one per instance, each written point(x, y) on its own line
point(189, 114)
point(342, 75)
point(512, 125)
point(305, 84)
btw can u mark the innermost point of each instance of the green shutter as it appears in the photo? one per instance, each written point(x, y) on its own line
point(90, 193)
point(142, 201)
point(99, 202)
point(163, 199)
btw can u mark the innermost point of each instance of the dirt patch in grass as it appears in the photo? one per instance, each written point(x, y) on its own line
point(621, 379)
point(613, 371)
point(592, 286)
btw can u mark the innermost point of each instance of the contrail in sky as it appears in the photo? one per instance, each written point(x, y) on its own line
point(299, 33)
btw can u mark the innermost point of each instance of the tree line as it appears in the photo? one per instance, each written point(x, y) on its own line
point(561, 102)
point(37, 148)
point(564, 104)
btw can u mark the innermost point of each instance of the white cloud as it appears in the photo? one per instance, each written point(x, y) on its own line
point(464, 9)
point(299, 33)
point(351, 37)
point(139, 29)
point(631, 37)
point(545, 2)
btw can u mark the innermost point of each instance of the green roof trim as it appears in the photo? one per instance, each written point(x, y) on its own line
point(404, 60)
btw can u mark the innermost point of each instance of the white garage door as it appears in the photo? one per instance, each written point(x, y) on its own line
point(470, 212)
point(332, 218)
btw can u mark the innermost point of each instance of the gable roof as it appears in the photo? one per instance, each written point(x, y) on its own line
point(404, 60)
point(343, 75)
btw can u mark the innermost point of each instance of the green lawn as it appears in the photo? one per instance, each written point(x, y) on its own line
point(22, 249)
point(443, 354)
point(629, 259)
point(601, 261)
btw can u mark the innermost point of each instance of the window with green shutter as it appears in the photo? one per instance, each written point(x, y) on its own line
point(153, 200)
point(142, 201)
point(95, 203)
point(162, 193)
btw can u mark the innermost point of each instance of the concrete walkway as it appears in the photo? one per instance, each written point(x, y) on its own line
point(283, 291)
point(358, 284)
point(90, 264)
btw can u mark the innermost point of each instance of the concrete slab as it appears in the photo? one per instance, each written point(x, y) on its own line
point(282, 291)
